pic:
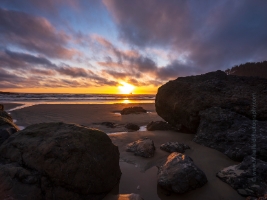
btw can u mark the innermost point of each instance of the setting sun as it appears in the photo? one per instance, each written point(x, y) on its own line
point(126, 88)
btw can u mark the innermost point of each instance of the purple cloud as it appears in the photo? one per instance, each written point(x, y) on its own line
point(33, 33)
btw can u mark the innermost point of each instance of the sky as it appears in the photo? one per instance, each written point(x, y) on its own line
point(101, 46)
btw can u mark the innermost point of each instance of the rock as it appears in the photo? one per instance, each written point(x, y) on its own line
point(133, 127)
point(133, 110)
point(4, 114)
point(124, 197)
point(7, 127)
point(174, 147)
point(255, 198)
point(1, 107)
point(109, 124)
point(58, 161)
point(143, 147)
point(159, 125)
point(179, 174)
point(129, 197)
point(180, 101)
point(231, 133)
point(249, 177)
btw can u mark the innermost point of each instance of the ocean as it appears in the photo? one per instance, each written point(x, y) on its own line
point(55, 98)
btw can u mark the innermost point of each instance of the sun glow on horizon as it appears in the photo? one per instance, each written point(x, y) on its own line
point(126, 88)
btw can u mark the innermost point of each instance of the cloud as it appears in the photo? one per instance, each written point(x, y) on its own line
point(33, 33)
point(214, 34)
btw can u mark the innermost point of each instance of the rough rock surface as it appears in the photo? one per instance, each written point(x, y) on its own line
point(179, 174)
point(143, 147)
point(58, 161)
point(133, 110)
point(174, 147)
point(255, 198)
point(7, 127)
point(180, 101)
point(231, 133)
point(159, 125)
point(244, 179)
point(132, 126)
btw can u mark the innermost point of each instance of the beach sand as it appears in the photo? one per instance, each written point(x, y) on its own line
point(138, 172)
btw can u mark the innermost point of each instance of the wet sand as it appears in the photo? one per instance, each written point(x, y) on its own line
point(138, 172)
point(85, 114)
point(142, 172)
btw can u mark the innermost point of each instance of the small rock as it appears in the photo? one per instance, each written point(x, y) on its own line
point(109, 124)
point(129, 197)
point(143, 147)
point(179, 174)
point(174, 147)
point(158, 125)
point(1, 107)
point(133, 110)
point(133, 127)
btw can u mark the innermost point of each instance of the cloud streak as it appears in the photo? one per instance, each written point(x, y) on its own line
point(33, 33)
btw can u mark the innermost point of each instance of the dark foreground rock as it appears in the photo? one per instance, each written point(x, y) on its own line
point(232, 134)
point(174, 147)
point(255, 198)
point(133, 110)
point(132, 127)
point(143, 147)
point(249, 178)
point(179, 174)
point(7, 127)
point(159, 125)
point(58, 161)
point(180, 101)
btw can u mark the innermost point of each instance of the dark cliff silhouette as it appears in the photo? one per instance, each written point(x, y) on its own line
point(258, 69)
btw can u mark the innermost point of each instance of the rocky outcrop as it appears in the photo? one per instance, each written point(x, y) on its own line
point(179, 174)
point(58, 161)
point(180, 101)
point(232, 134)
point(7, 127)
point(159, 125)
point(132, 127)
point(249, 178)
point(143, 147)
point(174, 147)
point(133, 110)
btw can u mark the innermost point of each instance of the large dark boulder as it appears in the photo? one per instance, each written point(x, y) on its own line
point(179, 174)
point(232, 134)
point(133, 110)
point(143, 147)
point(58, 161)
point(180, 101)
point(249, 178)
